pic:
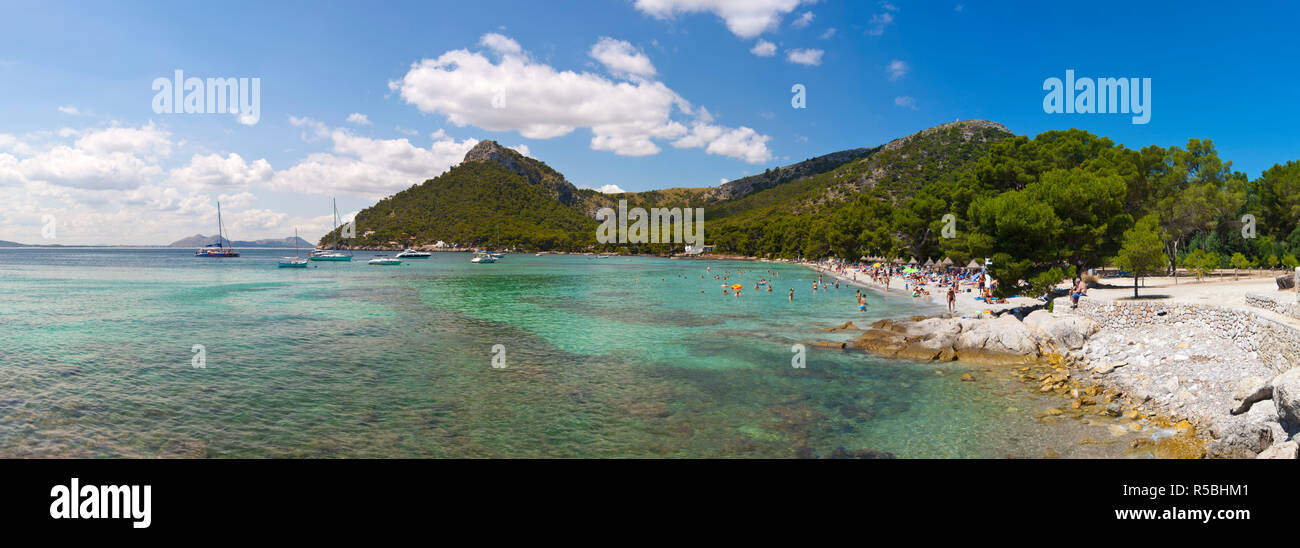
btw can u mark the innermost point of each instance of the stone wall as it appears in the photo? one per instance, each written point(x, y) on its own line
point(1276, 344)
point(1283, 304)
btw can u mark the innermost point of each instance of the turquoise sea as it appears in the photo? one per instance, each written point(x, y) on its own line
point(608, 357)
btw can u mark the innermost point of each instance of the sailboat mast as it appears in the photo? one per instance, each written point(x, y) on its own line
point(339, 235)
point(220, 230)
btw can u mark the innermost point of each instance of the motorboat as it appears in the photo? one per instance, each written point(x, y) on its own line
point(414, 254)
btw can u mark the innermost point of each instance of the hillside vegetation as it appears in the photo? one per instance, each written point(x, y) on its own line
point(1042, 208)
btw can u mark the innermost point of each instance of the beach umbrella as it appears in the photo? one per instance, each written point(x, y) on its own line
point(974, 265)
point(947, 261)
point(913, 261)
point(929, 261)
point(863, 259)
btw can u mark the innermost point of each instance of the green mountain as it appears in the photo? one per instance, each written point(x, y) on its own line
point(493, 189)
point(534, 207)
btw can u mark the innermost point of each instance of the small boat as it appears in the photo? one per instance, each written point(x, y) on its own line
point(296, 261)
point(497, 254)
point(414, 254)
point(381, 260)
point(483, 258)
point(332, 254)
point(217, 249)
point(325, 255)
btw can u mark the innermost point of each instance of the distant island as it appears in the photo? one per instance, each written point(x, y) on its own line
point(199, 240)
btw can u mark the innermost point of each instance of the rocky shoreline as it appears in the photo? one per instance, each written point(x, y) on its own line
point(1199, 394)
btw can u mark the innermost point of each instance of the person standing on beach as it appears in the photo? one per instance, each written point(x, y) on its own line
point(791, 294)
point(952, 298)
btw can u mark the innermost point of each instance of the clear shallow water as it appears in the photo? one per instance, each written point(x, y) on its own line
point(618, 357)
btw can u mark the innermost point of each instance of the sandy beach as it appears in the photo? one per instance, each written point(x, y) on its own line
point(966, 303)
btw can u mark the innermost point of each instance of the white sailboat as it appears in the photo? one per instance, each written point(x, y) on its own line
point(296, 261)
point(332, 255)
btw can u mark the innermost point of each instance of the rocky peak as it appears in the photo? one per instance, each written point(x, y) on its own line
point(536, 172)
point(967, 129)
point(490, 151)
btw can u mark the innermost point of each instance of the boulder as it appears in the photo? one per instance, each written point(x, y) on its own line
point(1067, 332)
point(1246, 386)
point(1285, 450)
point(1285, 281)
point(1286, 395)
point(880, 341)
point(1249, 391)
point(1249, 434)
point(936, 348)
point(846, 326)
point(1001, 340)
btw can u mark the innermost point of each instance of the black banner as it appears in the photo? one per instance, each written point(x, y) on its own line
point(320, 498)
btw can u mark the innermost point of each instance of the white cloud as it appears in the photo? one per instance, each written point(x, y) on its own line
point(763, 49)
point(905, 102)
point(744, 18)
point(404, 131)
point(803, 20)
point(897, 69)
point(115, 158)
point(359, 119)
point(830, 33)
point(610, 189)
point(518, 94)
point(522, 149)
point(12, 144)
point(69, 109)
point(881, 20)
point(366, 167)
point(809, 57)
point(213, 171)
point(501, 44)
point(621, 58)
point(742, 142)
point(147, 140)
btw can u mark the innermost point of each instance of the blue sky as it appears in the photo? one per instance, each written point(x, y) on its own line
point(676, 96)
